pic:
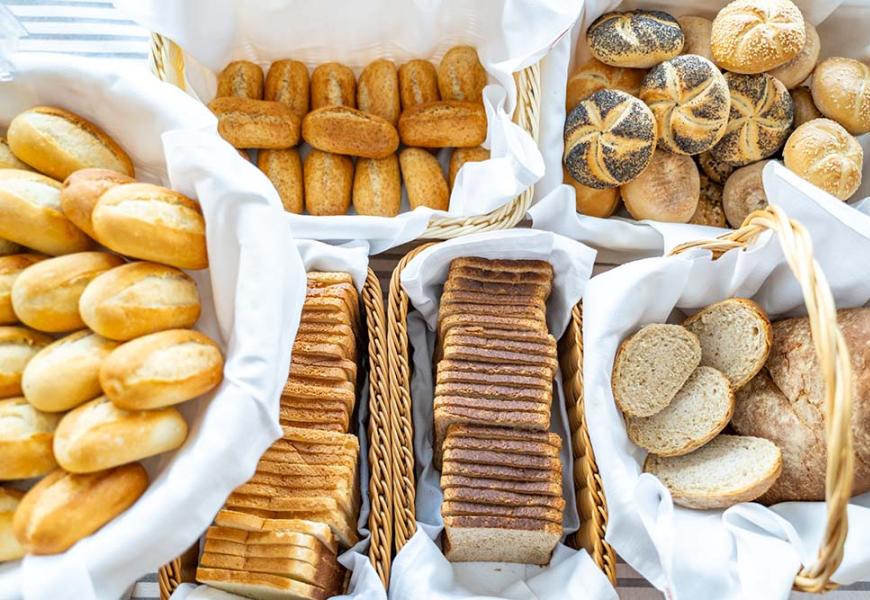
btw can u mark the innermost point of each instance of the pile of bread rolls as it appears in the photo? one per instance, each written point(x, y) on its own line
point(355, 128)
point(96, 345)
point(678, 116)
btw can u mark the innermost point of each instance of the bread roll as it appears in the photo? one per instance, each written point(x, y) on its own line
point(332, 84)
point(716, 170)
point(328, 183)
point(744, 193)
point(804, 107)
point(64, 508)
point(760, 120)
point(66, 373)
point(841, 90)
point(7, 247)
point(710, 211)
point(378, 91)
point(58, 143)
point(287, 82)
point(594, 75)
point(377, 186)
point(602, 153)
point(638, 39)
point(796, 71)
point(696, 31)
point(241, 79)
point(418, 83)
point(824, 153)
point(98, 435)
point(30, 214)
point(424, 181)
point(461, 76)
point(592, 202)
point(151, 222)
point(754, 36)
point(344, 130)
point(139, 298)
point(284, 170)
point(25, 440)
point(668, 190)
point(10, 268)
point(10, 548)
point(8, 160)
point(248, 123)
point(17, 346)
point(80, 193)
point(460, 156)
point(443, 124)
point(690, 101)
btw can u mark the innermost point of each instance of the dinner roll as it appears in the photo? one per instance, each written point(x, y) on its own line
point(284, 170)
point(795, 71)
point(332, 84)
point(418, 83)
point(58, 143)
point(246, 123)
point(754, 36)
point(460, 156)
point(345, 130)
point(760, 119)
point(690, 100)
point(328, 181)
point(46, 295)
point(424, 180)
point(592, 202)
point(8, 160)
point(667, 190)
point(66, 373)
point(139, 298)
point(638, 39)
point(804, 107)
point(80, 193)
point(10, 548)
point(744, 193)
point(287, 82)
point(822, 152)
point(841, 90)
point(162, 369)
point(716, 170)
point(25, 440)
point(696, 31)
point(151, 222)
point(10, 268)
point(444, 124)
point(98, 435)
point(709, 211)
point(461, 76)
point(377, 186)
point(378, 90)
point(594, 75)
point(242, 79)
point(17, 346)
point(7, 247)
point(609, 139)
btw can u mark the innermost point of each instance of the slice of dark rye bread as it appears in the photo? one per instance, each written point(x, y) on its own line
point(548, 488)
point(497, 472)
point(503, 265)
point(493, 404)
point(494, 274)
point(494, 391)
point(450, 308)
point(457, 283)
point(513, 333)
point(484, 457)
point(466, 297)
point(500, 433)
point(502, 498)
point(525, 447)
point(501, 325)
point(456, 509)
point(518, 376)
point(500, 539)
point(448, 415)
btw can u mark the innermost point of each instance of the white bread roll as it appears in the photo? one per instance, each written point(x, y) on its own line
point(26, 436)
point(841, 90)
point(744, 193)
point(824, 153)
point(754, 36)
point(638, 39)
point(696, 31)
point(80, 193)
point(17, 346)
point(10, 547)
point(8, 160)
point(668, 190)
point(10, 268)
point(796, 71)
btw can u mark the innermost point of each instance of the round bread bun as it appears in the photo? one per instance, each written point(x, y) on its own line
point(592, 202)
point(796, 71)
point(754, 36)
point(709, 211)
point(10, 268)
point(804, 107)
point(80, 193)
point(825, 154)
point(594, 75)
point(17, 346)
point(841, 91)
point(761, 117)
point(638, 39)
point(716, 170)
point(609, 139)
point(743, 193)
point(668, 190)
point(696, 31)
point(690, 100)
point(26, 436)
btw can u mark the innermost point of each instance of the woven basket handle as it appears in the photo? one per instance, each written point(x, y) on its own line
point(835, 366)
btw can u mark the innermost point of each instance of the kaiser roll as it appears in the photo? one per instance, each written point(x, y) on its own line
point(824, 153)
point(841, 90)
point(638, 39)
point(667, 190)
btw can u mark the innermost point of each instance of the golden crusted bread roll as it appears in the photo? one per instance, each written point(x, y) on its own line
point(696, 32)
point(99, 435)
point(461, 76)
point(284, 170)
point(64, 508)
point(460, 156)
point(139, 298)
point(754, 36)
point(638, 39)
point(17, 346)
point(344, 130)
point(241, 79)
point(716, 170)
point(825, 154)
point(80, 193)
point(377, 186)
point(287, 82)
point(804, 107)
point(10, 548)
point(248, 123)
point(710, 211)
point(424, 181)
point(162, 369)
point(10, 268)
point(796, 71)
point(328, 183)
point(759, 122)
point(66, 373)
point(8, 160)
point(7, 247)
point(594, 75)
point(444, 124)
point(26, 436)
point(31, 215)
point(607, 152)
point(146, 221)
point(592, 202)
point(841, 91)
point(743, 193)
point(332, 84)
point(418, 83)
point(668, 190)
point(377, 92)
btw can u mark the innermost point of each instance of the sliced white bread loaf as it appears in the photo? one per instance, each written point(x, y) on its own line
point(729, 470)
point(263, 586)
point(651, 366)
point(699, 411)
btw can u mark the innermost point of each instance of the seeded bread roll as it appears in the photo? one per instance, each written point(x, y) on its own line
point(638, 39)
point(80, 193)
point(328, 183)
point(26, 436)
point(744, 193)
point(418, 83)
point(378, 91)
point(609, 139)
point(760, 120)
point(377, 186)
point(804, 107)
point(332, 84)
point(284, 170)
point(667, 190)
point(822, 152)
point(344, 130)
point(445, 124)
point(287, 82)
point(754, 36)
point(841, 90)
point(10, 268)
point(696, 31)
point(17, 346)
point(246, 123)
point(461, 76)
point(242, 79)
point(423, 179)
point(592, 202)
point(8, 160)
point(10, 548)
point(796, 71)
point(716, 170)
point(594, 75)
point(460, 156)
point(710, 211)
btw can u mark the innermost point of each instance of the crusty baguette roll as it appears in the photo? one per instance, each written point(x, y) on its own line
point(715, 169)
point(58, 143)
point(345, 130)
point(637, 39)
point(31, 215)
point(460, 156)
point(242, 79)
point(146, 221)
point(377, 186)
point(696, 31)
point(594, 75)
point(17, 346)
point(284, 170)
point(796, 71)
point(804, 107)
point(66, 373)
point(667, 190)
point(418, 83)
point(161, 369)
point(8, 160)
point(139, 298)
point(287, 82)
point(710, 211)
point(10, 547)
point(248, 123)
point(424, 180)
point(825, 154)
point(26, 436)
point(378, 91)
point(46, 295)
point(10, 268)
point(80, 193)
point(98, 435)
point(461, 76)
point(592, 202)
point(445, 124)
point(754, 36)
point(328, 183)
point(332, 84)
point(7, 247)
point(64, 507)
point(743, 193)
point(841, 90)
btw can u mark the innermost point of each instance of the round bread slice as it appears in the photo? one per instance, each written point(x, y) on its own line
point(651, 366)
point(699, 411)
point(729, 470)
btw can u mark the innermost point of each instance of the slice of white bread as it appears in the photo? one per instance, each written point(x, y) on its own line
point(260, 585)
point(729, 470)
point(699, 411)
point(500, 539)
point(735, 337)
point(256, 524)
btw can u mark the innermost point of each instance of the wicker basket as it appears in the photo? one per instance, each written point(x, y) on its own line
point(590, 496)
point(380, 523)
point(167, 62)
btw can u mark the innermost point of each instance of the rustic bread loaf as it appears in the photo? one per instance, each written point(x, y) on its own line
point(461, 76)
point(796, 71)
point(287, 83)
point(424, 181)
point(637, 39)
point(826, 155)
point(445, 124)
point(804, 107)
point(418, 83)
point(594, 75)
point(284, 170)
point(710, 211)
point(11, 267)
point(754, 36)
point(242, 79)
point(743, 193)
point(18, 345)
point(667, 190)
point(26, 436)
point(332, 84)
point(247, 123)
point(592, 202)
point(345, 130)
point(696, 31)
point(82, 190)
point(841, 91)
point(328, 183)
point(377, 186)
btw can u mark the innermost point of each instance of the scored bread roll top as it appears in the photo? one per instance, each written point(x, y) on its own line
point(242, 79)
point(287, 82)
point(592, 202)
point(424, 181)
point(667, 190)
point(17, 346)
point(418, 83)
point(461, 76)
point(8, 160)
point(80, 193)
point(460, 156)
point(796, 71)
point(10, 268)
point(841, 90)
point(378, 91)
point(26, 436)
point(10, 548)
point(804, 107)
point(247, 123)
point(638, 39)
point(445, 124)
point(377, 186)
point(332, 84)
point(822, 152)
point(284, 170)
point(594, 75)
point(696, 31)
point(345, 130)
point(328, 183)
